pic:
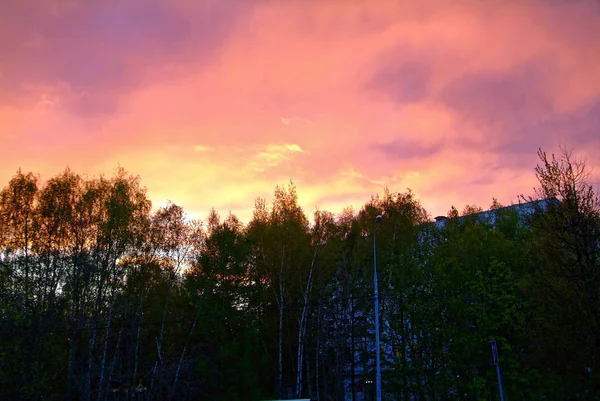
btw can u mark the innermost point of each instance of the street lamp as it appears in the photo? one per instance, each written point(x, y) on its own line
point(376, 298)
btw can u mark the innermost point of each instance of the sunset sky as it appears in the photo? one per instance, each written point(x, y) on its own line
point(214, 102)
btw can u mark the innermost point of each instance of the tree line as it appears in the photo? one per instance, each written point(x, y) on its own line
point(102, 297)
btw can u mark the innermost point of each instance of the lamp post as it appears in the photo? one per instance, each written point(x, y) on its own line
point(376, 299)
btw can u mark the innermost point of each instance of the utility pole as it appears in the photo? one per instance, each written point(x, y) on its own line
point(376, 299)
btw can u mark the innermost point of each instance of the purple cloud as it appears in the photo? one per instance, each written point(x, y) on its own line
point(504, 98)
point(519, 120)
point(404, 77)
point(406, 149)
point(579, 129)
point(404, 83)
point(100, 51)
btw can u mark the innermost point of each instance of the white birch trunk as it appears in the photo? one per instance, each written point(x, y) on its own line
point(302, 327)
point(106, 337)
point(182, 355)
point(159, 340)
point(137, 340)
point(90, 359)
point(318, 353)
point(114, 361)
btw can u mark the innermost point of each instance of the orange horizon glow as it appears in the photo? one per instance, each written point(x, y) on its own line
point(214, 103)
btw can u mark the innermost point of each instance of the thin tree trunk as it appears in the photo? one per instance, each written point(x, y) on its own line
point(318, 355)
point(26, 261)
point(309, 383)
point(137, 340)
point(280, 350)
point(106, 337)
point(92, 345)
point(280, 334)
point(159, 358)
point(405, 352)
point(103, 275)
point(137, 346)
point(88, 387)
point(72, 360)
point(338, 377)
point(302, 327)
point(38, 350)
point(301, 334)
point(76, 328)
point(159, 340)
point(114, 361)
point(318, 345)
point(340, 360)
point(353, 371)
point(182, 355)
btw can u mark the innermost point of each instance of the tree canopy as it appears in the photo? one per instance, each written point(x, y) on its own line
point(104, 297)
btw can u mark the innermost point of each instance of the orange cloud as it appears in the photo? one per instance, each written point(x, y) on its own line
point(214, 103)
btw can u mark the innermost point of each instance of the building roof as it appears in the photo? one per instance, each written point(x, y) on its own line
point(491, 216)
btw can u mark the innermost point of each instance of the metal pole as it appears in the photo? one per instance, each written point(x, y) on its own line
point(496, 362)
point(376, 298)
point(500, 382)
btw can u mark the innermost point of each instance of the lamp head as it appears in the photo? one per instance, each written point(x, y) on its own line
point(378, 219)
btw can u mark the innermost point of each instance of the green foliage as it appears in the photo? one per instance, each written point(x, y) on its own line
point(101, 296)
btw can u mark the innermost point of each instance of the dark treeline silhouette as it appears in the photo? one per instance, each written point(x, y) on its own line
point(103, 298)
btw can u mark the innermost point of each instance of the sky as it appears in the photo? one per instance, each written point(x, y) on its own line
point(214, 102)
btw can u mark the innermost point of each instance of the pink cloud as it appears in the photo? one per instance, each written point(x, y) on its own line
point(214, 103)
point(90, 54)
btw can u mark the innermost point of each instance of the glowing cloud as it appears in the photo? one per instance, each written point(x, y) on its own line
point(212, 109)
point(273, 155)
point(202, 148)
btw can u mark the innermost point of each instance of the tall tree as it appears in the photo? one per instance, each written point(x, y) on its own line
point(228, 350)
point(282, 247)
point(175, 240)
point(17, 208)
point(567, 290)
point(17, 220)
point(290, 236)
point(321, 232)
